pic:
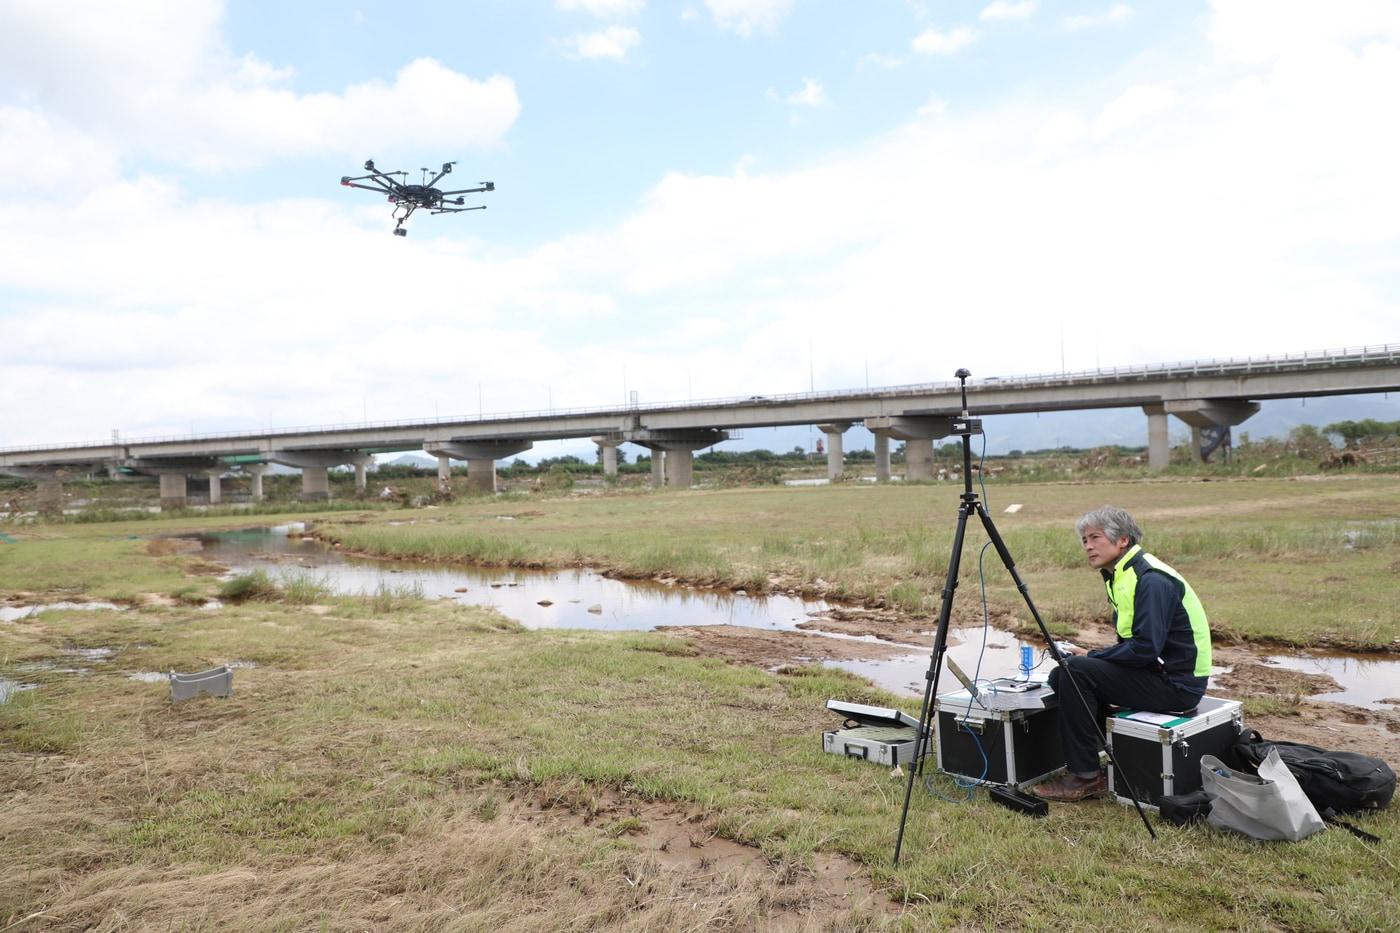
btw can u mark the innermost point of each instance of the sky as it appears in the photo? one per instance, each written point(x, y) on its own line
point(700, 199)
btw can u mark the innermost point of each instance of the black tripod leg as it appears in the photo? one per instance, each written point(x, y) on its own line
point(940, 644)
point(1025, 592)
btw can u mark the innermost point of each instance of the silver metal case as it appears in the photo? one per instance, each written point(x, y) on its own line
point(872, 733)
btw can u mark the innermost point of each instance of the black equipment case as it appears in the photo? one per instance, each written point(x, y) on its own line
point(1160, 753)
point(1014, 742)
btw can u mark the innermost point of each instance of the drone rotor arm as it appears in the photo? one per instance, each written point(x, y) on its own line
point(485, 186)
point(351, 183)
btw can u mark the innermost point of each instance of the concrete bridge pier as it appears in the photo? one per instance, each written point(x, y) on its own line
point(882, 458)
point(481, 457)
point(361, 477)
point(673, 452)
point(1198, 414)
point(918, 434)
point(680, 467)
point(444, 476)
point(1159, 450)
point(255, 473)
point(835, 454)
point(315, 468)
point(49, 483)
point(174, 473)
point(50, 495)
point(174, 491)
point(608, 446)
point(216, 489)
point(315, 484)
point(918, 458)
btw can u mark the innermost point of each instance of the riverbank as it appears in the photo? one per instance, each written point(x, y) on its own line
point(1304, 563)
point(414, 763)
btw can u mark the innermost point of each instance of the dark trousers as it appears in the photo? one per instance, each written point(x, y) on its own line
point(1103, 683)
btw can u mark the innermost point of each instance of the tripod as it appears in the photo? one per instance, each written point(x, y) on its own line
point(966, 426)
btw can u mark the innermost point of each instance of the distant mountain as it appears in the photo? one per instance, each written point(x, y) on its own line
point(412, 459)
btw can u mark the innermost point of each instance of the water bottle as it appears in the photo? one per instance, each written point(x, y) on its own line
point(1027, 660)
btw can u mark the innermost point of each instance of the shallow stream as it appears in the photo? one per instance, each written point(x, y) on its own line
point(585, 599)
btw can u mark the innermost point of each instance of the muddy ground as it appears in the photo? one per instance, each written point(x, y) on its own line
point(1293, 715)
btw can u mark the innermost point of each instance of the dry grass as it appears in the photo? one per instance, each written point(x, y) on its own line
point(458, 871)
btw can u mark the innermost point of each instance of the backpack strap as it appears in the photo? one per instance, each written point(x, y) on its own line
point(1330, 816)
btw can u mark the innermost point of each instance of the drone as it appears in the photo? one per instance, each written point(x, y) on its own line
point(408, 198)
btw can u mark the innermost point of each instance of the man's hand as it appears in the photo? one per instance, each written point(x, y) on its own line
point(1067, 647)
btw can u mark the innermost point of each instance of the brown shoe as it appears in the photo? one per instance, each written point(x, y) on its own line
point(1070, 787)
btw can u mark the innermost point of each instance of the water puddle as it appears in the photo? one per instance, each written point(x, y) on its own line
point(534, 598)
point(9, 688)
point(1364, 682)
point(15, 613)
point(982, 659)
point(587, 600)
point(89, 654)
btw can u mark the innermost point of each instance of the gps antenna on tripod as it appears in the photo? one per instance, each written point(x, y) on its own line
point(964, 425)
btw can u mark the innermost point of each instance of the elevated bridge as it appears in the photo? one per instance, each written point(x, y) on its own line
point(1205, 394)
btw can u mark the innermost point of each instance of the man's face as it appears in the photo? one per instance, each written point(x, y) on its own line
point(1103, 552)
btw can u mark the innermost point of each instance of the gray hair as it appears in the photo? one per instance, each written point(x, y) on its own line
point(1113, 522)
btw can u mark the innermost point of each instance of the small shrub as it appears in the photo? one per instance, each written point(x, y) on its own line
point(756, 474)
point(188, 596)
point(556, 479)
point(389, 598)
point(302, 588)
point(255, 585)
point(907, 596)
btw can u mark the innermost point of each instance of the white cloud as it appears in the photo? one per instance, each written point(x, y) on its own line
point(936, 42)
point(1008, 10)
point(151, 79)
point(935, 106)
point(1118, 13)
point(811, 94)
point(1134, 105)
point(613, 43)
point(1261, 30)
point(1258, 185)
point(746, 17)
point(604, 9)
point(880, 60)
point(42, 156)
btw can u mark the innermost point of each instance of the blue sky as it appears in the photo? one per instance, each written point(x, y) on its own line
point(704, 199)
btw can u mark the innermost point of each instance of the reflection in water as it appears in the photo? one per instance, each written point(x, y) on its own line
point(1364, 682)
point(587, 600)
point(9, 688)
point(985, 660)
point(571, 594)
point(14, 613)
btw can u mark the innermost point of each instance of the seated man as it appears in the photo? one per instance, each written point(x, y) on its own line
point(1161, 662)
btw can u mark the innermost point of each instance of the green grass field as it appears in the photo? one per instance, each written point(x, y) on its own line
point(396, 763)
point(1297, 561)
